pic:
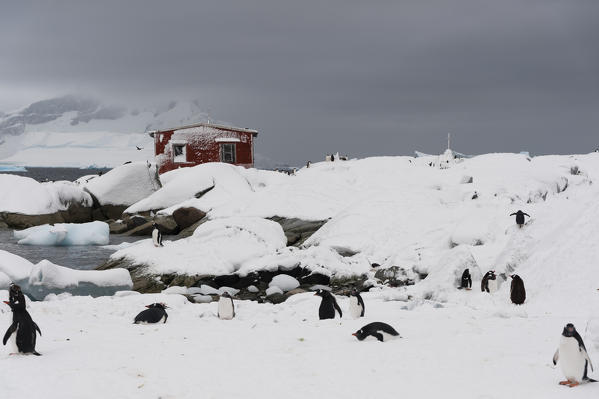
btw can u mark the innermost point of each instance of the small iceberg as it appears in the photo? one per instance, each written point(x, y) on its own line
point(65, 234)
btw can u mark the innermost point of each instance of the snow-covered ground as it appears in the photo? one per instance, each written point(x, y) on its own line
point(395, 211)
point(488, 350)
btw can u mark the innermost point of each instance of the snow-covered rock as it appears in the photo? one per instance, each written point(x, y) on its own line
point(218, 182)
point(284, 282)
point(27, 196)
point(65, 234)
point(273, 290)
point(221, 246)
point(14, 266)
point(125, 184)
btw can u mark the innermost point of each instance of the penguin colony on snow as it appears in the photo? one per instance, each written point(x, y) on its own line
point(571, 353)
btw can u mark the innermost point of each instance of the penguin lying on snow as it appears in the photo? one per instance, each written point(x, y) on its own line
point(517, 291)
point(156, 236)
point(23, 329)
point(154, 313)
point(573, 357)
point(327, 305)
point(226, 308)
point(466, 281)
point(381, 331)
point(489, 282)
point(356, 304)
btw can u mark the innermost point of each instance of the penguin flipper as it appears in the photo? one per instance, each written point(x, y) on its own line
point(378, 336)
point(9, 332)
point(337, 307)
point(37, 328)
point(556, 357)
point(165, 317)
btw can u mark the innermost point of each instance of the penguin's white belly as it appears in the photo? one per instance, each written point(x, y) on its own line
point(155, 237)
point(225, 309)
point(571, 359)
point(355, 310)
point(388, 337)
point(493, 286)
point(12, 342)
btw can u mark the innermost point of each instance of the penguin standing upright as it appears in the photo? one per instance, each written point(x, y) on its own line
point(226, 308)
point(573, 357)
point(489, 282)
point(156, 236)
point(23, 329)
point(466, 282)
point(381, 331)
point(154, 313)
point(517, 291)
point(327, 305)
point(520, 217)
point(356, 304)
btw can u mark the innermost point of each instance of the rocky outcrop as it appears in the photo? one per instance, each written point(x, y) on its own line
point(187, 216)
point(251, 287)
point(297, 230)
point(75, 213)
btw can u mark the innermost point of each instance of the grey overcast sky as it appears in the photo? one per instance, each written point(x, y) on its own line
point(360, 77)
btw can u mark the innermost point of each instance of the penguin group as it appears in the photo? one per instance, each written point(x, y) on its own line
point(489, 284)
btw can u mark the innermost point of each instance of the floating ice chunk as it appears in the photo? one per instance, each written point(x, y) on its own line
point(207, 290)
point(284, 282)
point(4, 281)
point(121, 294)
point(65, 234)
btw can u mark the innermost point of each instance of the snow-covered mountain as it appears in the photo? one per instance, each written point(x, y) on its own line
point(79, 131)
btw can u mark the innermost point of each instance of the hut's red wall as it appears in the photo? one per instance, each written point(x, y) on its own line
point(202, 151)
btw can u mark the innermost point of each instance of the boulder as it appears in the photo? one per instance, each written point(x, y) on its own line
point(297, 230)
point(187, 216)
point(166, 224)
point(118, 227)
point(143, 230)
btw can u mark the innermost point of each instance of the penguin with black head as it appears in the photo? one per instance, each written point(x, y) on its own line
point(328, 305)
point(356, 304)
point(573, 357)
point(23, 329)
point(489, 282)
point(466, 281)
point(226, 308)
point(517, 291)
point(155, 313)
point(381, 331)
point(520, 217)
point(156, 235)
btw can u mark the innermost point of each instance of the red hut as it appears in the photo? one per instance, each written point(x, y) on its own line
point(203, 142)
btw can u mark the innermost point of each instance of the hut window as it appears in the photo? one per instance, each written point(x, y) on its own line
point(227, 152)
point(179, 153)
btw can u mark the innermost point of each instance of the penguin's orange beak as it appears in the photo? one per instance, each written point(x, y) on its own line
point(355, 334)
point(6, 302)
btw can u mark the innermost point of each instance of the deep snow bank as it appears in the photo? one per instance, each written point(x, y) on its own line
point(27, 196)
point(125, 184)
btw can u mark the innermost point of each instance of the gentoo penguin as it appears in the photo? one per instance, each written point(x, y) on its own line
point(356, 304)
point(520, 217)
point(226, 308)
point(154, 313)
point(23, 328)
point(466, 282)
point(517, 291)
point(327, 305)
point(489, 282)
point(381, 331)
point(156, 236)
point(573, 357)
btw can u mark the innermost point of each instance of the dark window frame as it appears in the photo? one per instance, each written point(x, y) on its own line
point(232, 152)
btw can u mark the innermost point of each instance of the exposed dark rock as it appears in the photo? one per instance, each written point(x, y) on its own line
point(315, 278)
point(187, 216)
point(117, 227)
point(143, 230)
point(276, 298)
point(298, 231)
point(395, 276)
point(189, 231)
point(75, 213)
point(136, 221)
point(166, 224)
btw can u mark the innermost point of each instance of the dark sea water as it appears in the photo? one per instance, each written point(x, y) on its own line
point(53, 174)
point(75, 257)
